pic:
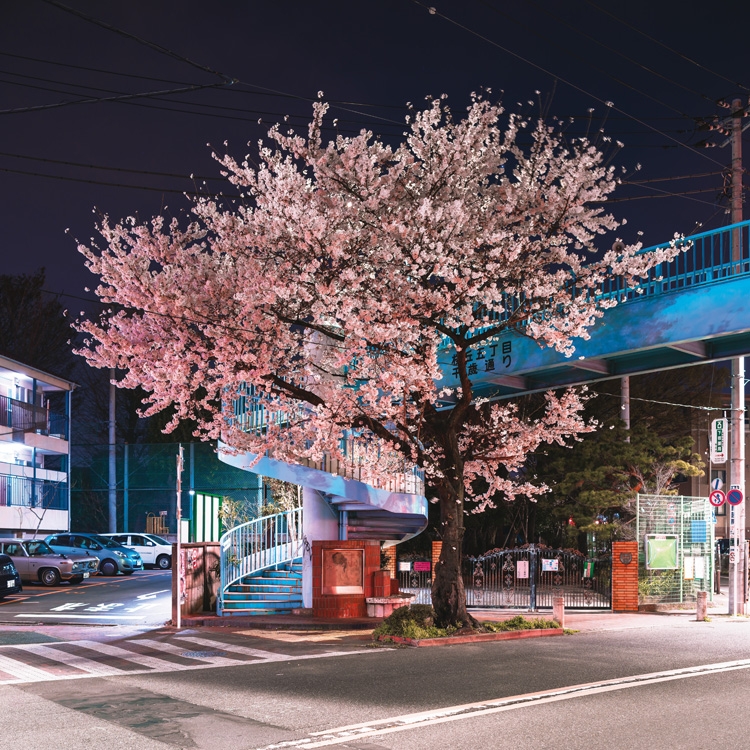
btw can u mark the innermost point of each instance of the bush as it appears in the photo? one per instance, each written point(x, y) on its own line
point(417, 622)
point(414, 621)
point(520, 623)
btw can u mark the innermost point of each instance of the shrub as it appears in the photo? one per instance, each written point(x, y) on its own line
point(520, 623)
point(414, 621)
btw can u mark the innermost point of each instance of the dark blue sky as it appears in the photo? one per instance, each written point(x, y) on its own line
point(135, 156)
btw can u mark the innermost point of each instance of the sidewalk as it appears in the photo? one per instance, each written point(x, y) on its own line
point(580, 620)
point(305, 625)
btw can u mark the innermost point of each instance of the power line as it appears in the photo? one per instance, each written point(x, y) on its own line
point(631, 60)
point(114, 184)
point(611, 105)
point(119, 98)
point(670, 179)
point(662, 44)
point(588, 62)
point(110, 169)
point(151, 45)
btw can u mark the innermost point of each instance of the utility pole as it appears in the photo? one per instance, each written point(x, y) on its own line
point(177, 564)
point(112, 455)
point(737, 561)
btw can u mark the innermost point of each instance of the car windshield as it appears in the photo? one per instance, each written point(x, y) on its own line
point(158, 539)
point(38, 548)
point(107, 542)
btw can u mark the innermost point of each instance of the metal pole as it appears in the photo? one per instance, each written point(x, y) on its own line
point(125, 488)
point(112, 455)
point(178, 514)
point(625, 402)
point(737, 466)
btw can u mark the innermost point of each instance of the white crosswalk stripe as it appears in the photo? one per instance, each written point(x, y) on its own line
point(21, 672)
point(216, 660)
point(143, 660)
point(73, 660)
point(210, 653)
point(260, 653)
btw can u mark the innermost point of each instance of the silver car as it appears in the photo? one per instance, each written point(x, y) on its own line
point(113, 557)
point(154, 551)
point(35, 560)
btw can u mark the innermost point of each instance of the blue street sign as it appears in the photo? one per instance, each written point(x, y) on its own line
point(734, 497)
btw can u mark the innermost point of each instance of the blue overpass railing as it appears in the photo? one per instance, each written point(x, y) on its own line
point(708, 257)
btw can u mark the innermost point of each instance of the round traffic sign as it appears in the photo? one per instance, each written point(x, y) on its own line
point(734, 496)
point(717, 498)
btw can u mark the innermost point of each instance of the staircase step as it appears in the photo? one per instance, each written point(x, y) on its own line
point(259, 596)
point(259, 588)
point(252, 607)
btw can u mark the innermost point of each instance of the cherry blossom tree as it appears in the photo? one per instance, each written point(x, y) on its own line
point(346, 274)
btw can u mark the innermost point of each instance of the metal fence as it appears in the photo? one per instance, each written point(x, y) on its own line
point(676, 540)
point(526, 578)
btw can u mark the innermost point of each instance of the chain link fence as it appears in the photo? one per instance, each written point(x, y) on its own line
point(676, 545)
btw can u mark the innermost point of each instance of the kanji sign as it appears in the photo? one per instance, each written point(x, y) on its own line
point(718, 441)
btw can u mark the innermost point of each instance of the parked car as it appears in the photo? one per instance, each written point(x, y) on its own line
point(154, 550)
point(35, 560)
point(113, 557)
point(10, 581)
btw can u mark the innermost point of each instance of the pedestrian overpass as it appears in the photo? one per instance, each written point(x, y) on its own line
point(694, 309)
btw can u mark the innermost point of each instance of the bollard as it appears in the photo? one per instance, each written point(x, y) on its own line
point(700, 606)
point(558, 610)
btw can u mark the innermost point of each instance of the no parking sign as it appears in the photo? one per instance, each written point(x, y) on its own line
point(734, 496)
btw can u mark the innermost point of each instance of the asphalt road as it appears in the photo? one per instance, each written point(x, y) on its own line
point(665, 686)
point(143, 598)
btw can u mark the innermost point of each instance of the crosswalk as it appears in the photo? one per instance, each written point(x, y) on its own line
point(80, 659)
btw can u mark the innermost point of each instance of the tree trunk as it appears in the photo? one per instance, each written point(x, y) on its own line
point(448, 594)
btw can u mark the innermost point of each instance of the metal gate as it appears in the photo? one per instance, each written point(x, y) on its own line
point(530, 577)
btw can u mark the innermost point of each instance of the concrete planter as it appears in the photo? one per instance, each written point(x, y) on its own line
point(383, 606)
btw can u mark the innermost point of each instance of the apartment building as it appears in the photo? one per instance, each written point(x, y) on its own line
point(34, 450)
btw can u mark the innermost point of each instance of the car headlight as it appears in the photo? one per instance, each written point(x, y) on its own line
point(120, 554)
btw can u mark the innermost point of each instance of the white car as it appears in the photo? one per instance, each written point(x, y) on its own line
point(155, 551)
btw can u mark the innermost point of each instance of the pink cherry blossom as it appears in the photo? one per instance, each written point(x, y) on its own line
point(333, 288)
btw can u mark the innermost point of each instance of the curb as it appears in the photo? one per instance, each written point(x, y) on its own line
point(451, 640)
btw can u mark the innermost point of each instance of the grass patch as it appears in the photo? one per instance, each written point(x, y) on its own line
point(520, 623)
point(417, 622)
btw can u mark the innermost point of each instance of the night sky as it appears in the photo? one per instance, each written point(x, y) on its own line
point(662, 65)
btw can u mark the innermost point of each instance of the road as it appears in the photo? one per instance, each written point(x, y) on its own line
point(143, 598)
point(668, 685)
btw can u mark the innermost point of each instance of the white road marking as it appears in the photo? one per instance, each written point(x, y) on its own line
point(73, 660)
point(260, 653)
point(20, 672)
point(475, 710)
point(68, 616)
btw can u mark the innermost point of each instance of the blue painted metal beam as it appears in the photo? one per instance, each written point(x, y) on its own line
point(696, 310)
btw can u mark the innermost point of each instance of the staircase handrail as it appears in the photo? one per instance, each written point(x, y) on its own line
point(259, 544)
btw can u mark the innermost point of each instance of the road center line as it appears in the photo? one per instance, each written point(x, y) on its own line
point(475, 710)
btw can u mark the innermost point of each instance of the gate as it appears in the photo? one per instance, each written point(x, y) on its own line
point(529, 578)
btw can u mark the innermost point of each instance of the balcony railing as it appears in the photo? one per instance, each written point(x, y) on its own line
point(23, 418)
point(33, 493)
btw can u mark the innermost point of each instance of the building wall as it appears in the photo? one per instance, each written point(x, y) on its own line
point(34, 451)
